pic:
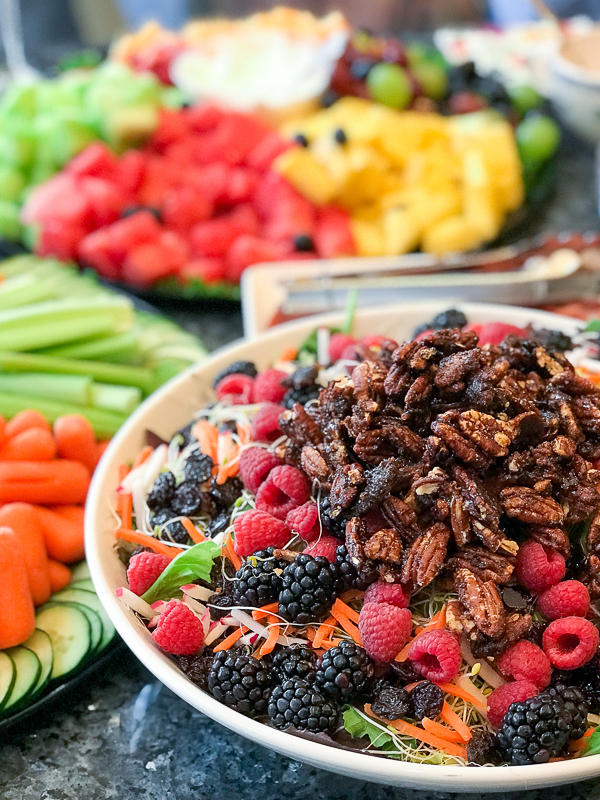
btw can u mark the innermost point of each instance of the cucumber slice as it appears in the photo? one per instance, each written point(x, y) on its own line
point(8, 675)
point(28, 670)
point(80, 572)
point(90, 599)
point(39, 643)
point(70, 633)
point(96, 630)
point(85, 583)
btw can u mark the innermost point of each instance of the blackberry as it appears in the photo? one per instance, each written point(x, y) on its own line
point(186, 434)
point(344, 671)
point(302, 378)
point(309, 587)
point(295, 662)
point(355, 576)
point(335, 525)
point(303, 243)
point(236, 368)
point(225, 494)
point(174, 531)
point(299, 703)
point(161, 493)
point(483, 748)
point(241, 682)
point(197, 668)
point(553, 340)
point(198, 467)
point(591, 691)
point(574, 701)
point(427, 700)
point(258, 581)
point(452, 318)
point(392, 702)
point(187, 499)
point(302, 396)
point(586, 678)
point(535, 730)
point(218, 524)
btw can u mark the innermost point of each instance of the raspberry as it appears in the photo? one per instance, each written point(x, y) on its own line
point(304, 521)
point(284, 489)
point(255, 464)
point(144, 569)
point(325, 546)
point(537, 568)
point(338, 343)
point(268, 388)
point(525, 661)
point(391, 593)
point(256, 530)
point(570, 642)
point(565, 599)
point(265, 425)
point(436, 656)
point(384, 629)
point(235, 389)
point(178, 630)
point(504, 696)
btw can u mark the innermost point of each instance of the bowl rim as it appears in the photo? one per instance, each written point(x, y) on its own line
point(575, 73)
point(359, 765)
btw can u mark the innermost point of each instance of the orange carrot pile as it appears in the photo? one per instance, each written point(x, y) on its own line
point(18, 620)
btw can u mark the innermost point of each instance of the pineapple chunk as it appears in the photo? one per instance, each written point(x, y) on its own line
point(307, 174)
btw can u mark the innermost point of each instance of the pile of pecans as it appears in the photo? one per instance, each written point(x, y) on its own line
point(437, 458)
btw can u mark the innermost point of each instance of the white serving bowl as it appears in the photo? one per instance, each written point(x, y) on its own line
point(170, 408)
point(575, 92)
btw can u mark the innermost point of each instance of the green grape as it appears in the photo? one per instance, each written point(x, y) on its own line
point(389, 84)
point(432, 79)
point(524, 98)
point(538, 138)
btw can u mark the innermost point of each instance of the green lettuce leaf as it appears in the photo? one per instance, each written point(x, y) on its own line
point(592, 748)
point(192, 565)
point(357, 726)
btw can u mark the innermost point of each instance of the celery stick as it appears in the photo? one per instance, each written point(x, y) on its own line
point(66, 388)
point(105, 423)
point(21, 290)
point(120, 346)
point(99, 371)
point(124, 399)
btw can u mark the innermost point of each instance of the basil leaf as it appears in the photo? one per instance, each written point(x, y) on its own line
point(593, 325)
point(192, 565)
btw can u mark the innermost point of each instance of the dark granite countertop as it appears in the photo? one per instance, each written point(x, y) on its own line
point(122, 735)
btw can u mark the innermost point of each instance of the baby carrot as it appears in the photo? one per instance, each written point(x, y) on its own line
point(32, 444)
point(24, 522)
point(451, 717)
point(60, 575)
point(75, 440)
point(18, 621)
point(24, 420)
point(59, 481)
point(63, 537)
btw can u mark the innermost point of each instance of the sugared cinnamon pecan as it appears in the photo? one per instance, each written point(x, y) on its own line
point(426, 556)
point(313, 463)
point(486, 565)
point(385, 545)
point(345, 487)
point(491, 435)
point(482, 601)
point(402, 517)
point(554, 538)
point(529, 506)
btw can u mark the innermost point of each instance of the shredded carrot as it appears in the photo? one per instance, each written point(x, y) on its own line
point(345, 609)
point(288, 354)
point(439, 730)
point(264, 611)
point(348, 626)
point(230, 640)
point(410, 686)
point(228, 470)
point(451, 717)
point(271, 641)
point(123, 472)
point(142, 456)
point(436, 622)
point(310, 634)
point(230, 552)
point(208, 437)
point(327, 645)
point(352, 594)
point(323, 631)
point(450, 688)
point(126, 509)
point(129, 535)
point(403, 654)
point(193, 531)
point(244, 432)
point(423, 736)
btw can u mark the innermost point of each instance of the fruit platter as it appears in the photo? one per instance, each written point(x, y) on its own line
point(187, 157)
point(378, 537)
point(76, 360)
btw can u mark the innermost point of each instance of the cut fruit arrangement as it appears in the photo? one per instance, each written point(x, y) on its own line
point(395, 542)
point(55, 623)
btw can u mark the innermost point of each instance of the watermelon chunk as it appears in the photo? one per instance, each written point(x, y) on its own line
point(240, 185)
point(60, 238)
point(131, 171)
point(234, 138)
point(155, 182)
point(333, 235)
point(184, 206)
point(271, 191)
point(97, 250)
point(292, 217)
point(59, 198)
point(204, 117)
point(210, 180)
point(247, 250)
point(148, 263)
point(266, 151)
point(97, 161)
point(172, 126)
point(207, 270)
point(215, 236)
point(105, 200)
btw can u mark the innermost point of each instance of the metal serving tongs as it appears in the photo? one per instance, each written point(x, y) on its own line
point(11, 33)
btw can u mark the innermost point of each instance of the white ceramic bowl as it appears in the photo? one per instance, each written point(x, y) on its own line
point(575, 92)
point(171, 408)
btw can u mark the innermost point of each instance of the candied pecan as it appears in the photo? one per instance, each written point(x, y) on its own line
point(384, 545)
point(334, 448)
point(529, 506)
point(381, 481)
point(398, 380)
point(464, 448)
point(458, 620)
point(335, 400)
point(389, 573)
point(422, 357)
point(573, 384)
point(355, 537)
point(564, 447)
point(426, 556)
point(408, 443)
point(552, 364)
point(481, 386)
point(587, 413)
point(435, 480)
point(313, 463)
point(419, 391)
point(528, 428)
point(486, 565)
point(492, 435)
point(554, 538)
point(373, 446)
point(300, 427)
point(402, 516)
point(559, 403)
point(482, 601)
point(459, 520)
point(344, 488)
point(593, 535)
point(483, 511)
point(368, 379)
point(455, 368)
